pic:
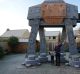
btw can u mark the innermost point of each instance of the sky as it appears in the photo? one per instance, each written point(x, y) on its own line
point(13, 13)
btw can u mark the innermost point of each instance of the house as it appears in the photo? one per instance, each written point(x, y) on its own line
point(77, 35)
point(77, 38)
point(52, 38)
point(21, 34)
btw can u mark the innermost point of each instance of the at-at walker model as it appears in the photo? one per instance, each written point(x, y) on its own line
point(51, 13)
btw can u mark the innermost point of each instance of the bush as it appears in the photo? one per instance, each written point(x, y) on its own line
point(1, 52)
point(13, 42)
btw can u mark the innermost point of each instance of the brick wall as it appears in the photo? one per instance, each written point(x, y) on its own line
point(22, 47)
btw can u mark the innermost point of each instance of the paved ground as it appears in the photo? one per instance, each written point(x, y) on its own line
point(11, 64)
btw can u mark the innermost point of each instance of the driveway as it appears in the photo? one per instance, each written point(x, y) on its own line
point(11, 64)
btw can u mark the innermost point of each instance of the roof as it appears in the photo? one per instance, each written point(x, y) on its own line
point(52, 33)
point(21, 33)
point(56, 33)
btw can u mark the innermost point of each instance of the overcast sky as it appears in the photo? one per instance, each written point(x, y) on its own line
point(13, 13)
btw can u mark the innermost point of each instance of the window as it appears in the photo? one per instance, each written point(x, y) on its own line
point(54, 37)
point(75, 37)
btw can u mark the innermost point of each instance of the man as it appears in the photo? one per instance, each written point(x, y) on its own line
point(57, 53)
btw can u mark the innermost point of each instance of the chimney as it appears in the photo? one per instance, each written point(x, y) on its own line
point(8, 29)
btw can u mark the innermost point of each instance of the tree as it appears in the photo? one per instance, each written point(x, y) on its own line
point(13, 42)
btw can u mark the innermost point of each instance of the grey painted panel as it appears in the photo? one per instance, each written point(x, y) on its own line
point(63, 37)
point(33, 34)
point(72, 43)
point(42, 40)
point(54, 1)
point(34, 12)
point(72, 11)
point(33, 22)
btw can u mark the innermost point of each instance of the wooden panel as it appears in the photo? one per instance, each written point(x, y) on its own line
point(53, 20)
point(53, 13)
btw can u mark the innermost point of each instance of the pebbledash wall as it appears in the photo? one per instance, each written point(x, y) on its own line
point(52, 38)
